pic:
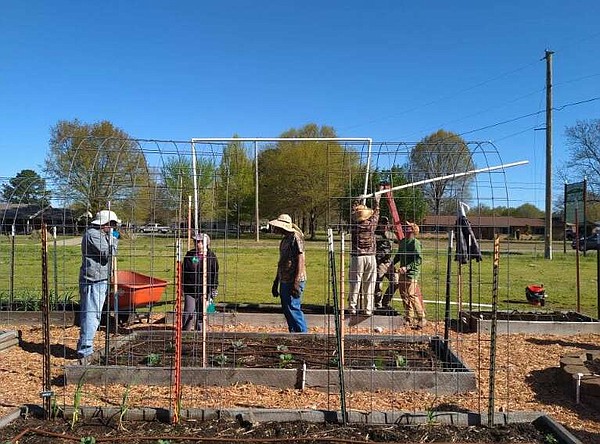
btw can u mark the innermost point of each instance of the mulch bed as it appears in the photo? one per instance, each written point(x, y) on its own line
point(36, 431)
point(271, 351)
point(528, 379)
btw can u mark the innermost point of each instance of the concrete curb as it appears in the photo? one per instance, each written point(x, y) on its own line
point(7, 419)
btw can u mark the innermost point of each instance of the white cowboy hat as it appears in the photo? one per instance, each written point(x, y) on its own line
point(104, 217)
point(283, 221)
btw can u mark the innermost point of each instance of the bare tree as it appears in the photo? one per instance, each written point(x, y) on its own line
point(583, 141)
point(96, 163)
point(440, 154)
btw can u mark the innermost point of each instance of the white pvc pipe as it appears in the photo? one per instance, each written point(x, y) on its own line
point(194, 168)
point(303, 375)
point(366, 187)
point(282, 139)
point(443, 302)
point(578, 377)
point(447, 177)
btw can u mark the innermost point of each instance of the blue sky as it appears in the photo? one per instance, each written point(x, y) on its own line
point(389, 70)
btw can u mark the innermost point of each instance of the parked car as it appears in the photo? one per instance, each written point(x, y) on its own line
point(154, 228)
point(586, 243)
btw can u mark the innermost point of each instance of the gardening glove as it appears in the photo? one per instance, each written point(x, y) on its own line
point(116, 234)
point(275, 288)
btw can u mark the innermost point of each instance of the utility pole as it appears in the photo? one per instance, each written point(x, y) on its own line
point(548, 227)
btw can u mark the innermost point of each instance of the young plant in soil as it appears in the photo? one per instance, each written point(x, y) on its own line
point(238, 345)
point(124, 407)
point(400, 360)
point(152, 360)
point(221, 359)
point(284, 358)
point(77, 401)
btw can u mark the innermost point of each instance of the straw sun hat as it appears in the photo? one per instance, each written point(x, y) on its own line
point(362, 213)
point(283, 221)
point(412, 227)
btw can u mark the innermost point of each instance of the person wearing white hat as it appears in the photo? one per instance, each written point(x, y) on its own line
point(193, 281)
point(290, 279)
point(98, 246)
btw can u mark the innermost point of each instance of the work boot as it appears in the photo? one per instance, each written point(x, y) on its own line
point(85, 360)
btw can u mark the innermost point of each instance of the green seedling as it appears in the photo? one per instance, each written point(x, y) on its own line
point(550, 439)
point(379, 363)
point(238, 345)
point(88, 440)
point(282, 348)
point(152, 359)
point(124, 407)
point(55, 409)
point(285, 358)
point(431, 413)
point(77, 401)
point(400, 360)
point(164, 441)
point(221, 359)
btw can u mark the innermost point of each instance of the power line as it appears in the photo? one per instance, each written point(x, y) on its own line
point(504, 122)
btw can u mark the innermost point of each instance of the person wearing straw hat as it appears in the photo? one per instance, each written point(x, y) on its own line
point(406, 278)
point(98, 247)
point(193, 281)
point(363, 263)
point(290, 279)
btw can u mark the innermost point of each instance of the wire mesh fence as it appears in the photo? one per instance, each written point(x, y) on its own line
point(165, 192)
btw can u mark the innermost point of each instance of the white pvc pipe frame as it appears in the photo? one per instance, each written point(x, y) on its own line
point(195, 140)
point(448, 177)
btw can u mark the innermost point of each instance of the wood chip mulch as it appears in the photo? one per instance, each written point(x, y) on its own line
point(528, 379)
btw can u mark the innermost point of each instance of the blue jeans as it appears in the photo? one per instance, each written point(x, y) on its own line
point(92, 296)
point(292, 307)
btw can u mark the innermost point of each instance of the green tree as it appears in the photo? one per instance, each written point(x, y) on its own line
point(528, 210)
point(440, 154)
point(27, 187)
point(178, 178)
point(410, 202)
point(235, 189)
point(300, 177)
point(93, 164)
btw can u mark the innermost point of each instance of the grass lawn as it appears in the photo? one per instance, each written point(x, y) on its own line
point(247, 269)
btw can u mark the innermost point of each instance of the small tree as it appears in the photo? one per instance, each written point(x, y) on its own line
point(235, 188)
point(27, 187)
point(178, 179)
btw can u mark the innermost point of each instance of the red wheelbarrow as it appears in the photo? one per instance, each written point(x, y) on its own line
point(535, 294)
point(135, 290)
